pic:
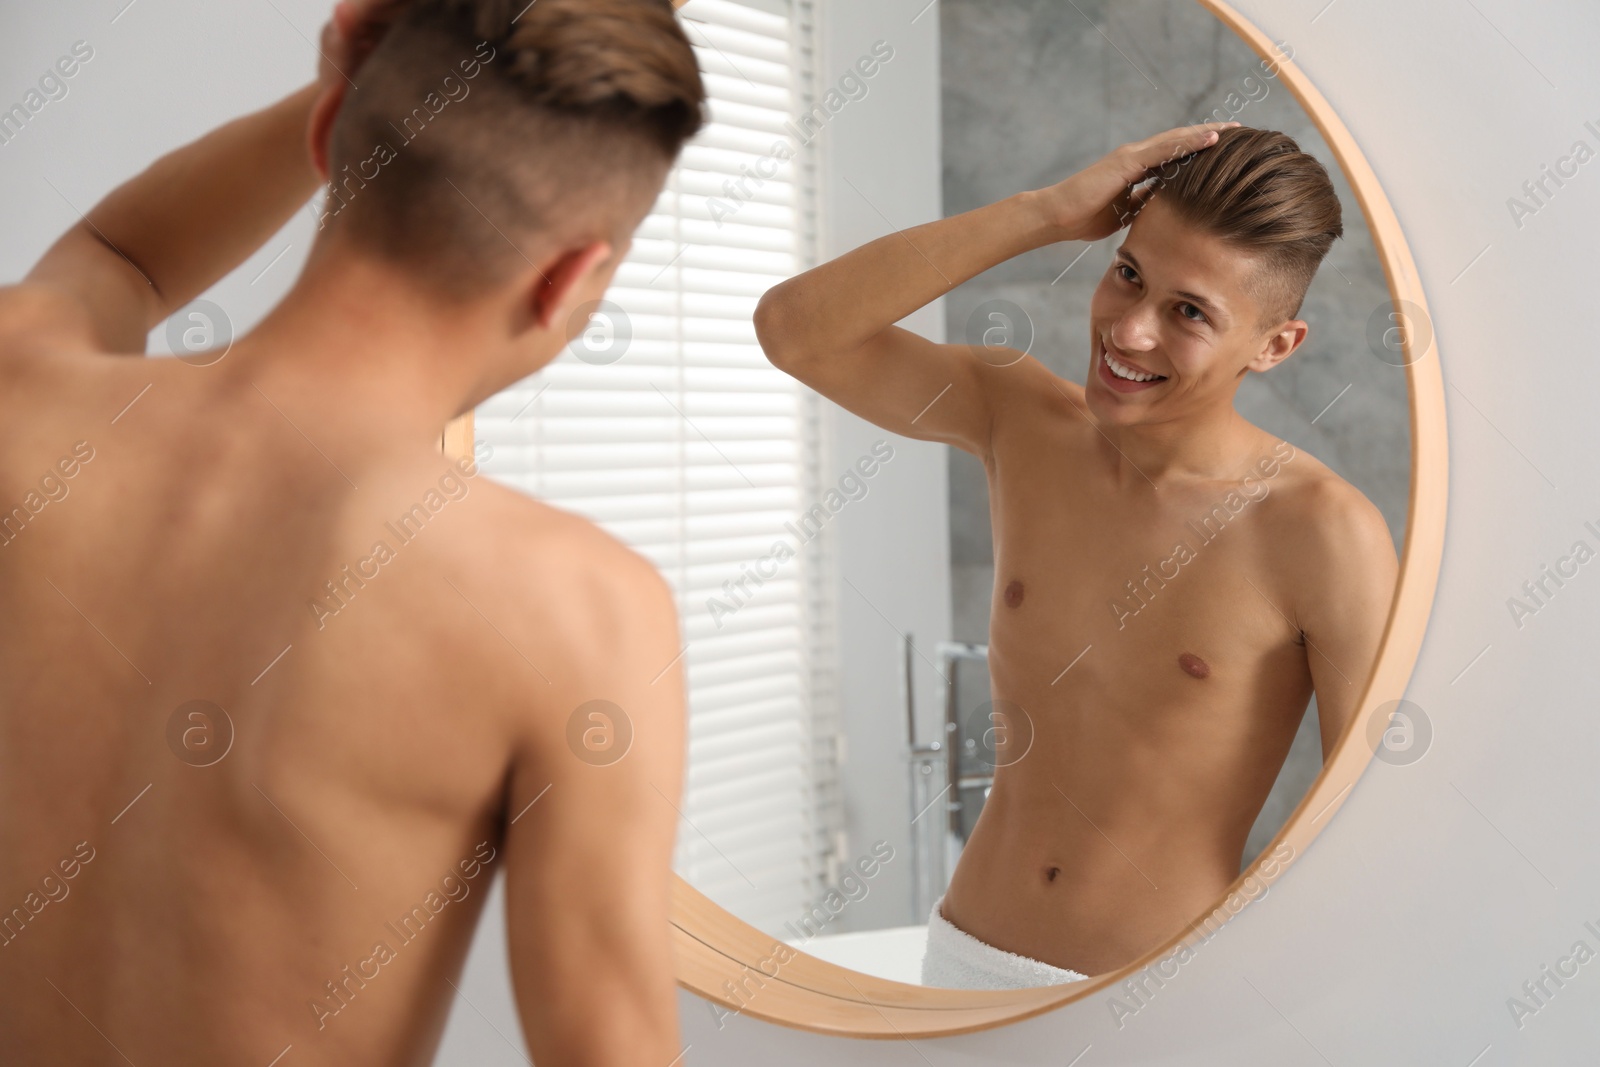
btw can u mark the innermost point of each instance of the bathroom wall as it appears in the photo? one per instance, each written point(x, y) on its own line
point(1035, 90)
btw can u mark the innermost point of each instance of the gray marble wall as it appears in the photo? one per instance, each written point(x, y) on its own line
point(1034, 90)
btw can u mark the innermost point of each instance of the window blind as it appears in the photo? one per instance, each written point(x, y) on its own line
point(666, 425)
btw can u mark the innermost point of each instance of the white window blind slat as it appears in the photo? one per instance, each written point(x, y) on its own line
point(748, 17)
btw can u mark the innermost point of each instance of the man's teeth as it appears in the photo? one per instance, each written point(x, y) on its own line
point(1122, 371)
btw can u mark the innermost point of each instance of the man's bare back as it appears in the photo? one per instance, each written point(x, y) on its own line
point(377, 738)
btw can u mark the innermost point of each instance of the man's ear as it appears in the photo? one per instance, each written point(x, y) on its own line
point(320, 131)
point(1280, 345)
point(563, 279)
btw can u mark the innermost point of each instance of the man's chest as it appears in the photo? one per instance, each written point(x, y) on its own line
point(1189, 590)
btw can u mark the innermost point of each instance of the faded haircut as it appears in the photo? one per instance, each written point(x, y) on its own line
point(1257, 191)
point(483, 130)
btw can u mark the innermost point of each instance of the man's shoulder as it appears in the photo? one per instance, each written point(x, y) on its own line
point(1319, 492)
point(564, 610)
point(1332, 521)
point(559, 576)
point(1030, 376)
point(533, 537)
point(1028, 395)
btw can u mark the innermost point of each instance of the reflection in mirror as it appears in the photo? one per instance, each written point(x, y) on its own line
point(1158, 565)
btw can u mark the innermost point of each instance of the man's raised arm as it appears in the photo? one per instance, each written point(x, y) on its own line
point(832, 327)
point(167, 235)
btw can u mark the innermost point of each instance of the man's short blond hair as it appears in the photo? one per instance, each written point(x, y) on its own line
point(482, 129)
point(1259, 192)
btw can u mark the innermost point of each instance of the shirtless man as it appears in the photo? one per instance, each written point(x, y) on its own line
point(1161, 685)
point(256, 772)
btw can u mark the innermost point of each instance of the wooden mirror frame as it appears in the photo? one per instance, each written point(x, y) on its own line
point(741, 970)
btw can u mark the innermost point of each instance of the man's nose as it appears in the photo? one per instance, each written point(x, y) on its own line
point(1134, 330)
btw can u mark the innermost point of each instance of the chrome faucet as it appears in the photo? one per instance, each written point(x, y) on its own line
point(937, 844)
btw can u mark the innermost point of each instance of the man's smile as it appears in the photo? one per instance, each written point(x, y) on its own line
point(1122, 376)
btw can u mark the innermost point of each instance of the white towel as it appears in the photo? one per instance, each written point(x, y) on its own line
point(956, 960)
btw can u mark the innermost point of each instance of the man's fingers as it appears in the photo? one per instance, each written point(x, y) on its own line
point(332, 50)
point(356, 28)
point(1202, 128)
point(1165, 147)
point(346, 19)
point(358, 10)
point(364, 13)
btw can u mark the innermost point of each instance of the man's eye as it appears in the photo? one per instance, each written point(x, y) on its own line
point(1120, 267)
point(1202, 317)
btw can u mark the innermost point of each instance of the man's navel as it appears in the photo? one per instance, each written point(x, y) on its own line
point(1014, 593)
point(1194, 665)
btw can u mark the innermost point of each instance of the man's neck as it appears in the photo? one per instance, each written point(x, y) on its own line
point(375, 349)
point(1215, 444)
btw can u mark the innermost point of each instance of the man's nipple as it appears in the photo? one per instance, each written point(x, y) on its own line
point(1014, 594)
point(1194, 665)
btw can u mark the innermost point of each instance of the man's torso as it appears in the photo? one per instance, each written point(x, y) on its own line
point(1145, 640)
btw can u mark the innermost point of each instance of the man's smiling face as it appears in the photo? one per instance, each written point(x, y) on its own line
point(1179, 309)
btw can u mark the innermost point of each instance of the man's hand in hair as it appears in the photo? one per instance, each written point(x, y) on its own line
point(351, 34)
point(1101, 199)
